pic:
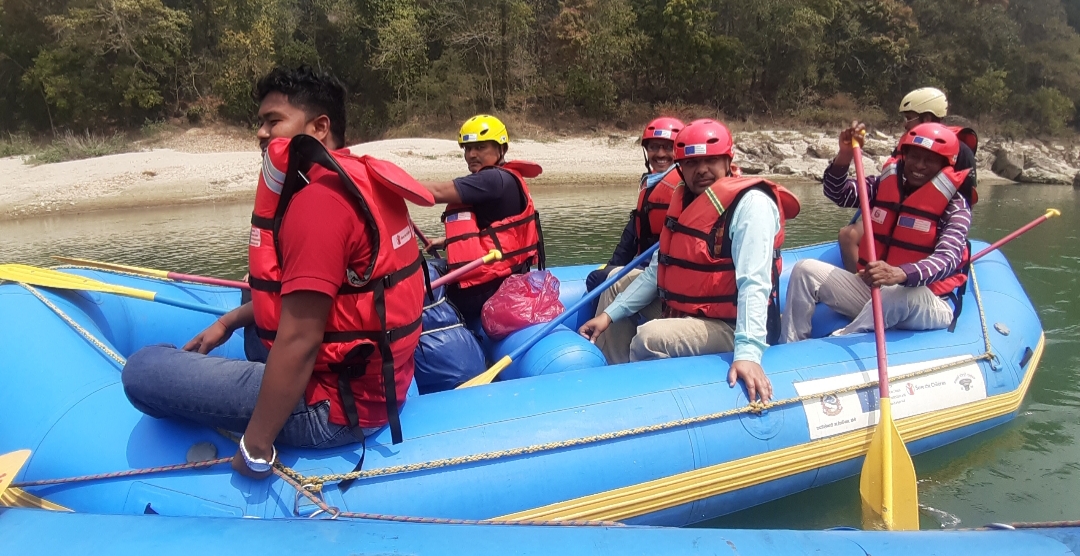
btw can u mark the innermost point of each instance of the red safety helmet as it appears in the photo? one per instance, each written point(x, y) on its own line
point(933, 137)
point(662, 128)
point(704, 137)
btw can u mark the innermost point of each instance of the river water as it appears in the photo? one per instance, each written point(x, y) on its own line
point(1024, 471)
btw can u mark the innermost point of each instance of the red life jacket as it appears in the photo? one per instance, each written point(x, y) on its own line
point(696, 274)
point(967, 136)
point(365, 363)
point(906, 230)
point(652, 206)
point(518, 237)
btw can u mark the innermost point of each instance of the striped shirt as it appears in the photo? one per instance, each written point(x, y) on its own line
point(952, 227)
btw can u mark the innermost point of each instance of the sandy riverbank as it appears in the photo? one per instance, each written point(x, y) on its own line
point(205, 166)
point(182, 171)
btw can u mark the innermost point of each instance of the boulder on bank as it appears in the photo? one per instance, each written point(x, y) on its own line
point(1008, 165)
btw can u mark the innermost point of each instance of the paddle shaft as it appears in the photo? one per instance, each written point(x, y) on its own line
point(454, 276)
point(884, 403)
point(488, 375)
point(156, 273)
point(875, 291)
point(997, 244)
point(210, 281)
point(49, 278)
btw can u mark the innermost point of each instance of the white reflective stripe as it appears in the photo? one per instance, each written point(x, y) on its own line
point(274, 178)
point(887, 172)
point(944, 185)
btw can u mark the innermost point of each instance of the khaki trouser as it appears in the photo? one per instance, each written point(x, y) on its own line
point(681, 337)
point(615, 341)
point(813, 281)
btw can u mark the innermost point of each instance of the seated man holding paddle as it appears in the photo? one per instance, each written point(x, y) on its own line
point(920, 217)
point(716, 273)
point(337, 293)
point(490, 208)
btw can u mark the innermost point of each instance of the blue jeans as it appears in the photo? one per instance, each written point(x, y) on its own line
point(163, 382)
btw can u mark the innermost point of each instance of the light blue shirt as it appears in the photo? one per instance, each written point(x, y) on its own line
point(652, 179)
point(753, 227)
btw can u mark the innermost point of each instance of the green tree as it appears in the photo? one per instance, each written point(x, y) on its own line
point(595, 41)
point(114, 61)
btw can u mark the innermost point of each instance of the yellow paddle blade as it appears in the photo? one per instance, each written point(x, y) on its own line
point(487, 376)
point(887, 485)
point(113, 266)
point(48, 278)
point(10, 464)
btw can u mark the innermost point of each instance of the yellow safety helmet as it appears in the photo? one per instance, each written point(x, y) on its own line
point(483, 127)
point(927, 99)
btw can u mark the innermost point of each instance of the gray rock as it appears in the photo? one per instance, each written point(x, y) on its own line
point(811, 169)
point(822, 148)
point(1007, 164)
point(877, 147)
point(1076, 181)
point(1041, 175)
point(752, 166)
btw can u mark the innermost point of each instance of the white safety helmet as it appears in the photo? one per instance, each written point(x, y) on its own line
point(927, 99)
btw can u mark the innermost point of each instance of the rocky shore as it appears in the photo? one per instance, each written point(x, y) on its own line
point(807, 154)
point(200, 166)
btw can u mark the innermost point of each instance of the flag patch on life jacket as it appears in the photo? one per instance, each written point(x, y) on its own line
point(917, 224)
point(923, 141)
point(695, 149)
point(459, 216)
point(255, 240)
point(878, 215)
point(402, 237)
point(665, 133)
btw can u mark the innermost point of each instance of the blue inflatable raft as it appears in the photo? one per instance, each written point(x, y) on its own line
point(654, 443)
point(35, 532)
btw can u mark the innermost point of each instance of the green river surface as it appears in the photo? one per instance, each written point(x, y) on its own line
point(1027, 470)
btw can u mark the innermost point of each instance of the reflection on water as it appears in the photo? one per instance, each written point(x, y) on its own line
point(1023, 471)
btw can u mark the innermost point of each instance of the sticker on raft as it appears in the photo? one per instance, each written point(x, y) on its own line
point(834, 414)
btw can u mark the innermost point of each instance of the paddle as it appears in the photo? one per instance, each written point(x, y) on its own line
point(48, 278)
point(1050, 213)
point(887, 484)
point(490, 374)
point(168, 275)
point(10, 464)
point(493, 255)
point(424, 240)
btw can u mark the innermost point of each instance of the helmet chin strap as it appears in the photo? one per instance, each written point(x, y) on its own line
point(648, 167)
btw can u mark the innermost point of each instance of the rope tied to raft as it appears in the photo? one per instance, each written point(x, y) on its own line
point(311, 486)
point(86, 334)
point(755, 407)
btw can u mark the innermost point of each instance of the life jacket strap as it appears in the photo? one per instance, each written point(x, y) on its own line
point(345, 336)
point(490, 231)
point(261, 222)
point(667, 295)
point(669, 260)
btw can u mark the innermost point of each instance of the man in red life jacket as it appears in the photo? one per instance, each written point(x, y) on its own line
point(337, 293)
point(641, 232)
point(491, 208)
point(925, 105)
point(920, 218)
point(717, 271)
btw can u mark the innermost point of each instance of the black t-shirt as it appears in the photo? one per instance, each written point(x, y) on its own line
point(492, 193)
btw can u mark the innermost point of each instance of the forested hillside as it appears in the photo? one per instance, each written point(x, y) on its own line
point(115, 64)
